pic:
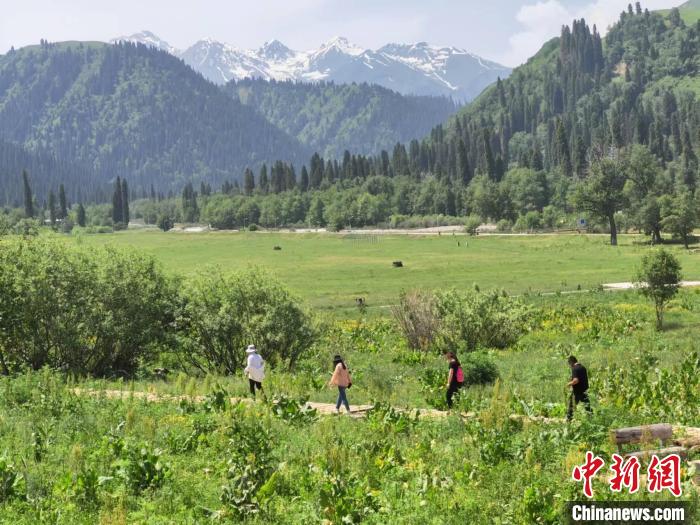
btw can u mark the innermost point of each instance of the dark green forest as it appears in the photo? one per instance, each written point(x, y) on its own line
point(332, 118)
point(602, 128)
point(126, 110)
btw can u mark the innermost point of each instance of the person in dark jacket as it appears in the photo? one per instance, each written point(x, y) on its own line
point(455, 377)
point(579, 387)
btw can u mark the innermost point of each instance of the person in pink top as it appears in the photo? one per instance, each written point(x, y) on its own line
point(341, 378)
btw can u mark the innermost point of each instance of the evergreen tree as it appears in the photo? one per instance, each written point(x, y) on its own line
point(63, 204)
point(81, 215)
point(248, 182)
point(263, 181)
point(52, 208)
point(125, 203)
point(190, 209)
point(28, 198)
point(117, 207)
point(304, 182)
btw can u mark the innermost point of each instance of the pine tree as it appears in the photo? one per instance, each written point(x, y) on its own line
point(304, 182)
point(263, 182)
point(63, 204)
point(28, 198)
point(125, 203)
point(117, 207)
point(81, 215)
point(248, 182)
point(52, 208)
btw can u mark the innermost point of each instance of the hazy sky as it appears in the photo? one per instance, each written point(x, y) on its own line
point(507, 31)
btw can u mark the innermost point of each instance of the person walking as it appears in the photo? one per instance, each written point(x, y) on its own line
point(455, 377)
point(579, 388)
point(341, 379)
point(255, 370)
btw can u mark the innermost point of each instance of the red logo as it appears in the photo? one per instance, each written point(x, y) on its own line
point(665, 474)
point(587, 472)
point(625, 474)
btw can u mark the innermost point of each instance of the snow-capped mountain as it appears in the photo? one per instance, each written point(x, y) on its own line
point(417, 69)
point(149, 39)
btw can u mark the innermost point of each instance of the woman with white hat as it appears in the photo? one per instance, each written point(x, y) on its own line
point(255, 370)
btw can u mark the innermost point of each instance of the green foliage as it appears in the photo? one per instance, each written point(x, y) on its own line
point(659, 279)
point(292, 410)
point(11, 482)
point(470, 320)
point(94, 313)
point(653, 393)
point(222, 315)
point(249, 466)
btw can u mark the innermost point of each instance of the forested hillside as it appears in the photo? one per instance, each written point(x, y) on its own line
point(332, 118)
point(132, 111)
point(602, 128)
point(46, 173)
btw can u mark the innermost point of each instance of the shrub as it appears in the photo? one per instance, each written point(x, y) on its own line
point(472, 319)
point(417, 318)
point(478, 369)
point(472, 223)
point(221, 316)
point(165, 223)
point(96, 312)
point(504, 226)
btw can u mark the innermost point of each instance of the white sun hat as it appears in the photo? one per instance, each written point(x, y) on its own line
point(251, 349)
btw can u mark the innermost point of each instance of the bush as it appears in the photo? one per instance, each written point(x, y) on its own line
point(504, 226)
point(96, 312)
point(221, 316)
point(471, 320)
point(417, 318)
point(472, 223)
point(478, 369)
point(165, 223)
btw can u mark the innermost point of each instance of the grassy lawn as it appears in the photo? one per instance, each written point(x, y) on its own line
point(330, 271)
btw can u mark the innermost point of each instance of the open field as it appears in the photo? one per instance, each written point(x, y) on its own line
point(330, 271)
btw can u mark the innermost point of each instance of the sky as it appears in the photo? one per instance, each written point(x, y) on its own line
point(507, 31)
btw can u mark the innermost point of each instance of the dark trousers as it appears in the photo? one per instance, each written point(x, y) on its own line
point(574, 399)
point(253, 385)
point(451, 391)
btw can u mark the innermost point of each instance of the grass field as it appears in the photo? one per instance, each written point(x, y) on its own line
point(330, 271)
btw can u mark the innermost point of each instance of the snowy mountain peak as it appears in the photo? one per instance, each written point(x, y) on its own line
point(343, 45)
point(418, 69)
point(276, 50)
point(149, 39)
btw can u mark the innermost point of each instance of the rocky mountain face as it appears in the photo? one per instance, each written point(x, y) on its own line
point(410, 69)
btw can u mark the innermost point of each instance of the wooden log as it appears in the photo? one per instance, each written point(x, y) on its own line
point(696, 474)
point(661, 453)
point(661, 431)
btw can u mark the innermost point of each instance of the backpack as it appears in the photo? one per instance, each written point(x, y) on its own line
point(460, 375)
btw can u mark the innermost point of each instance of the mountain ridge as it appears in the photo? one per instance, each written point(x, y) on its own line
point(410, 69)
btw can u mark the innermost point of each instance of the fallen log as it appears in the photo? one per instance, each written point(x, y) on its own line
point(661, 453)
point(643, 434)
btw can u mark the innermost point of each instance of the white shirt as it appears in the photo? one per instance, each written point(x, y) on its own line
point(256, 367)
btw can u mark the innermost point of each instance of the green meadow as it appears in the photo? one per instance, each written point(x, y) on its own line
point(330, 270)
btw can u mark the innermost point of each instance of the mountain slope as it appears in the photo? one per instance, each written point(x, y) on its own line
point(580, 93)
point(415, 69)
point(331, 118)
point(133, 111)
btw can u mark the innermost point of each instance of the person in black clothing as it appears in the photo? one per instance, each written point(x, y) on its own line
point(453, 376)
point(579, 388)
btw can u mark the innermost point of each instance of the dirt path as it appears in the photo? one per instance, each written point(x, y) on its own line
point(322, 408)
point(688, 437)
